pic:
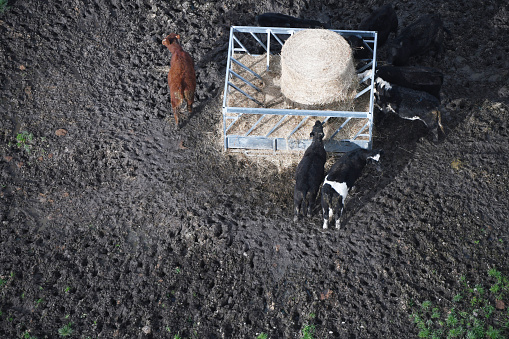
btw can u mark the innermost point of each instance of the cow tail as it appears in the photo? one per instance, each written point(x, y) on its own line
point(439, 120)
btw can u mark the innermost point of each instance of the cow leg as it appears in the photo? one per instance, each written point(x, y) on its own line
point(189, 96)
point(175, 105)
point(176, 115)
point(311, 203)
point(326, 214)
point(338, 212)
point(303, 205)
point(297, 201)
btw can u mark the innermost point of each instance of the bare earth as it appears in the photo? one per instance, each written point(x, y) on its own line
point(127, 227)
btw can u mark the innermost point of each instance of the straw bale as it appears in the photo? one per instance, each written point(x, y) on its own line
point(317, 68)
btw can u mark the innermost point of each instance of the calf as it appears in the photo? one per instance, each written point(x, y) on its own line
point(341, 179)
point(423, 35)
point(283, 20)
point(384, 21)
point(181, 77)
point(309, 174)
point(420, 78)
point(409, 104)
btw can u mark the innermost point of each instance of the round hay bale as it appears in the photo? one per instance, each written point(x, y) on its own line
point(317, 68)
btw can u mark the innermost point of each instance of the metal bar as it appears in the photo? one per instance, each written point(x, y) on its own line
point(228, 65)
point(277, 38)
point(277, 125)
point(243, 48)
point(340, 128)
point(362, 92)
point(298, 126)
point(268, 50)
point(298, 112)
point(245, 67)
point(360, 131)
point(259, 41)
point(275, 144)
point(246, 81)
point(247, 95)
point(365, 67)
point(372, 93)
point(284, 30)
point(254, 126)
point(226, 87)
point(235, 119)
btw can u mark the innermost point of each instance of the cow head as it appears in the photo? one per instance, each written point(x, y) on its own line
point(170, 39)
point(317, 132)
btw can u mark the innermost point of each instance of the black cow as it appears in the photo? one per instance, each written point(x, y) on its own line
point(340, 180)
point(283, 20)
point(309, 174)
point(423, 35)
point(409, 104)
point(384, 21)
point(420, 78)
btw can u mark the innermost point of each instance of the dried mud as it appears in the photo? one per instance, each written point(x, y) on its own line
point(127, 227)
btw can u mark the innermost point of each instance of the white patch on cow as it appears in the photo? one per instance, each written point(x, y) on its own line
point(391, 109)
point(339, 187)
point(383, 84)
point(326, 219)
point(364, 76)
point(375, 157)
point(412, 118)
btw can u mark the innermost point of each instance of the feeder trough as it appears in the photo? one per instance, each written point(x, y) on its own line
point(257, 116)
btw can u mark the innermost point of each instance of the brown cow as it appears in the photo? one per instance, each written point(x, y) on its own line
point(181, 77)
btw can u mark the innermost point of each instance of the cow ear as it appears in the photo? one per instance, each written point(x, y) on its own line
point(312, 134)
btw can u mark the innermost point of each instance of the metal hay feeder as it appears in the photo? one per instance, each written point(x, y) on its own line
point(256, 119)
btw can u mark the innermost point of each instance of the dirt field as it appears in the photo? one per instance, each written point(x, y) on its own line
point(116, 222)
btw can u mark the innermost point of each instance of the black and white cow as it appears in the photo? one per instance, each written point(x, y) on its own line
point(309, 174)
point(420, 78)
point(409, 104)
point(384, 21)
point(283, 20)
point(340, 180)
point(423, 35)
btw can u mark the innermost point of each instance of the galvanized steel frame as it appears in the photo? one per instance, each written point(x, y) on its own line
point(266, 142)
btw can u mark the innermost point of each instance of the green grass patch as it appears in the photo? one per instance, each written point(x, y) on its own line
point(3, 6)
point(472, 313)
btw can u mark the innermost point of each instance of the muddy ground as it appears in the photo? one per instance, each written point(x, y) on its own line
point(117, 222)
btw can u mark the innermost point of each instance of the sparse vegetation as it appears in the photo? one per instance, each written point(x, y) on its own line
point(27, 335)
point(308, 332)
point(3, 6)
point(472, 314)
point(262, 336)
point(24, 140)
point(66, 330)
